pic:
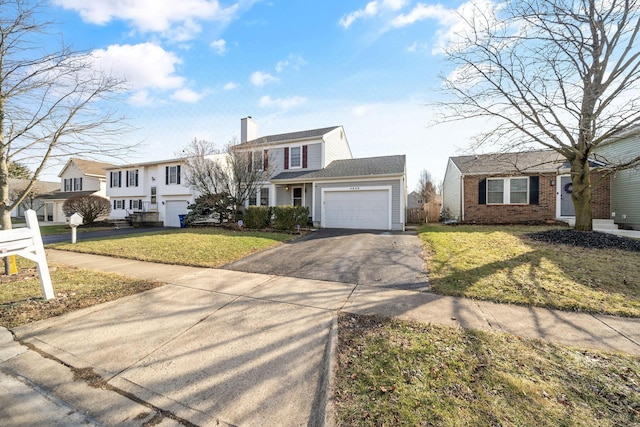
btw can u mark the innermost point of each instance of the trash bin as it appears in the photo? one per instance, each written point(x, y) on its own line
point(182, 221)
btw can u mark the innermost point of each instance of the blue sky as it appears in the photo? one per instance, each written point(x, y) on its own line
point(196, 67)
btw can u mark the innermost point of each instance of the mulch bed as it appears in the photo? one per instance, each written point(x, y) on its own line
point(587, 239)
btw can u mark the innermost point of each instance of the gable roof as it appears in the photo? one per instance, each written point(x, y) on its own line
point(288, 137)
point(510, 163)
point(350, 168)
point(88, 167)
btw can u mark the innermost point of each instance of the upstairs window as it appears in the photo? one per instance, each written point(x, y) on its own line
point(295, 157)
point(257, 160)
point(77, 184)
point(172, 175)
point(132, 178)
point(68, 184)
point(116, 179)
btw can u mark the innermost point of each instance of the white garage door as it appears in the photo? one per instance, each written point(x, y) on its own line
point(173, 209)
point(362, 209)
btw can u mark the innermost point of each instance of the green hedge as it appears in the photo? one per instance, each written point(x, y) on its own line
point(257, 217)
point(287, 217)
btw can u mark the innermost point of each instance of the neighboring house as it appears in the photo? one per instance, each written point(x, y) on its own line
point(414, 200)
point(34, 200)
point(525, 187)
point(625, 184)
point(79, 177)
point(315, 168)
point(150, 192)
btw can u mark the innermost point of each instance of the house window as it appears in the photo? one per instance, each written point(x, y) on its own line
point(508, 191)
point(253, 198)
point(77, 184)
point(118, 204)
point(257, 160)
point(132, 178)
point(135, 205)
point(154, 198)
point(116, 179)
point(295, 157)
point(172, 175)
point(264, 197)
point(67, 184)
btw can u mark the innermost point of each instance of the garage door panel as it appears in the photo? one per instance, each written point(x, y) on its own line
point(174, 208)
point(357, 209)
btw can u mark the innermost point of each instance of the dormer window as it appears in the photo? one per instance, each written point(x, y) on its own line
point(295, 157)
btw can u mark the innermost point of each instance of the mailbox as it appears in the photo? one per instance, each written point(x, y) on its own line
point(75, 220)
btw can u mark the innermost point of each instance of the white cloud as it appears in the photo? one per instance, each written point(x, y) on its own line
point(219, 46)
point(259, 78)
point(294, 62)
point(171, 18)
point(230, 86)
point(373, 8)
point(144, 66)
point(282, 103)
point(187, 95)
point(421, 12)
point(141, 99)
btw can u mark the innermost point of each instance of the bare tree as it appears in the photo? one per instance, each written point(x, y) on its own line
point(562, 74)
point(235, 174)
point(53, 104)
point(90, 207)
point(426, 187)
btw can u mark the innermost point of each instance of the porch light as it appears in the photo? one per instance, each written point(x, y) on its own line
point(286, 187)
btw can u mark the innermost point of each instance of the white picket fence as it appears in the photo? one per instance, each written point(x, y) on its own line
point(27, 243)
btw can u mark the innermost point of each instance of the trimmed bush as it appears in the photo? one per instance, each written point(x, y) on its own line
point(256, 217)
point(287, 217)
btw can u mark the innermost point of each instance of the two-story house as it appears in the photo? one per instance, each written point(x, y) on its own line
point(79, 177)
point(151, 192)
point(315, 168)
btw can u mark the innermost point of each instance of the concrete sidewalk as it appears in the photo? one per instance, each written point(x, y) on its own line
point(218, 347)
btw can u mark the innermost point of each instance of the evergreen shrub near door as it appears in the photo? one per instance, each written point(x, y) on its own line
point(257, 217)
point(287, 217)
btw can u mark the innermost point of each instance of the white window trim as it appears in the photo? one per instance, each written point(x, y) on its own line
point(506, 190)
point(172, 175)
point(291, 153)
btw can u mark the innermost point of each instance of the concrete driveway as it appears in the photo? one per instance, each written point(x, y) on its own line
point(373, 258)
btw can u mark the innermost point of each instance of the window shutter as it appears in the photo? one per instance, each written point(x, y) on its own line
point(140, 204)
point(80, 184)
point(265, 161)
point(110, 179)
point(136, 177)
point(304, 156)
point(126, 182)
point(119, 178)
point(482, 192)
point(178, 175)
point(534, 190)
point(114, 202)
point(166, 169)
point(249, 161)
point(286, 157)
point(130, 204)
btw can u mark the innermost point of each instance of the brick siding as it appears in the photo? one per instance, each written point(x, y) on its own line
point(544, 211)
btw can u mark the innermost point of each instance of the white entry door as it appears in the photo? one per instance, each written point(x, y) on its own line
point(359, 208)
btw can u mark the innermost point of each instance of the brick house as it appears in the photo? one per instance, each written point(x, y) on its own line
point(507, 188)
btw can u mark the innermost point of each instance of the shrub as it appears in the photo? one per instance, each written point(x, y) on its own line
point(287, 217)
point(218, 207)
point(257, 217)
point(90, 207)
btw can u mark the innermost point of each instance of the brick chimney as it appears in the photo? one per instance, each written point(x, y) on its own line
point(248, 129)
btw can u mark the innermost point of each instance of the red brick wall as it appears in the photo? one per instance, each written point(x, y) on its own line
point(600, 196)
point(544, 211)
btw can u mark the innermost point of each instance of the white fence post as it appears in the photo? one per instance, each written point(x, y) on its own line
point(27, 243)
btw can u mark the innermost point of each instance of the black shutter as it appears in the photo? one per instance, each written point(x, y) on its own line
point(166, 169)
point(119, 178)
point(136, 177)
point(482, 192)
point(127, 180)
point(130, 204)
point(178, 174)
point(114, 202)
point(286, 157)
point(110, 179)
point(534, 190)
point(80, 184)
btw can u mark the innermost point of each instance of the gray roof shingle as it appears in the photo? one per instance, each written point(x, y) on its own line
point(349, 168)
point(287, 137)
point(510, 163)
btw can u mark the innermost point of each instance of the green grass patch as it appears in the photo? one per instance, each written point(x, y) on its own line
point(501, 264)
point(394, 373)
point(195, 247)
point(21, 298)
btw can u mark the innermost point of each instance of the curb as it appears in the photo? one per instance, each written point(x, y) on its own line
point(322, 410)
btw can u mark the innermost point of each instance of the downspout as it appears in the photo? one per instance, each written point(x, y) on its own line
point(461, 198)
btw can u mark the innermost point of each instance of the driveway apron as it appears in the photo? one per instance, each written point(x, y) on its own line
point(372, 258)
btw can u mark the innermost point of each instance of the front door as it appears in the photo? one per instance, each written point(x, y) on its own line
point(297, 196)
point(566, 204)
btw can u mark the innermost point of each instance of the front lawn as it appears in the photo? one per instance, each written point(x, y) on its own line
point(395, 373)
point(502, 264)
point(202, 247)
